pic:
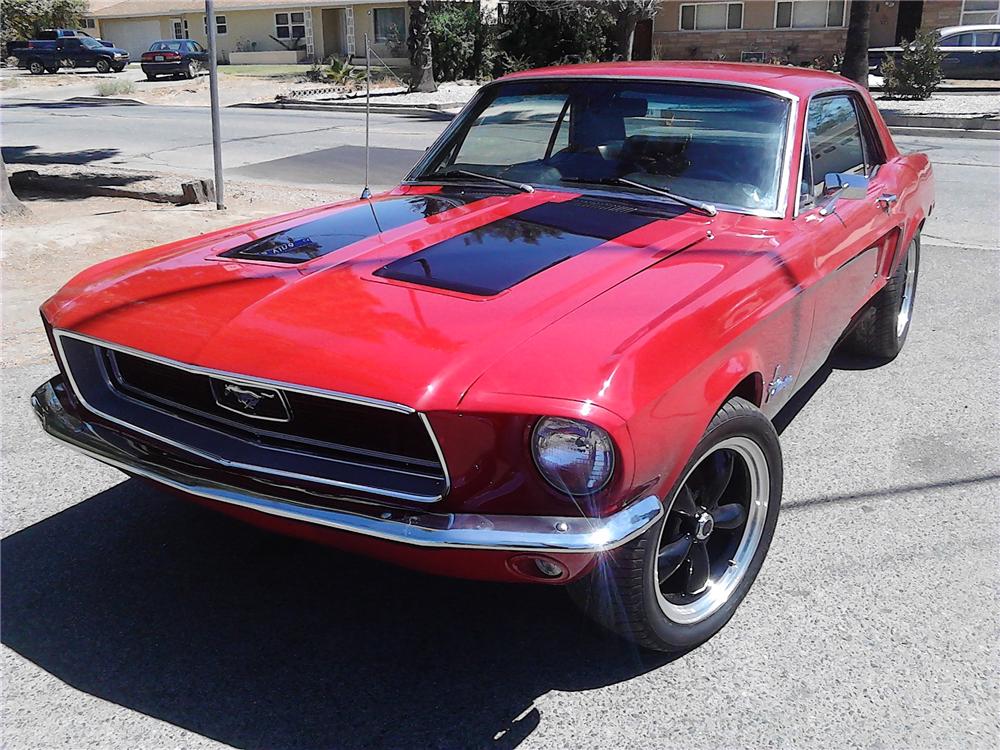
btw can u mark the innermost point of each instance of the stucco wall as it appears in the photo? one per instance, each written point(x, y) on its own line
point(364, 21)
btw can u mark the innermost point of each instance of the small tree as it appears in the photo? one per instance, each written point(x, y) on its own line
point(419, 44)
point(22, 19)
point(855, 65)
point(916, 72)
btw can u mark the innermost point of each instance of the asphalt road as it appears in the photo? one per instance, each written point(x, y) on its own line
point(303, 147)
point(133, 620)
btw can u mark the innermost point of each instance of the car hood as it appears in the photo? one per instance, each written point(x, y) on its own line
point(408, 297)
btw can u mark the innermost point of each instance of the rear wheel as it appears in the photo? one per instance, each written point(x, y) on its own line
point(118, 68)
point(188, 71)
point(884, 325)
point(102, 65)
point(150, 77)
point(36, 67)
point(678, 584)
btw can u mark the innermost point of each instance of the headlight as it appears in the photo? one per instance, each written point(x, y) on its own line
point(574, 457)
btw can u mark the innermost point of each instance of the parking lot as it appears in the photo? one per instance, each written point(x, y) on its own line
point(131, 619)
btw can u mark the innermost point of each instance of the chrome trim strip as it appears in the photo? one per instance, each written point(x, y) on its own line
point(59, 334)
point(458, 531)
point(783, 190)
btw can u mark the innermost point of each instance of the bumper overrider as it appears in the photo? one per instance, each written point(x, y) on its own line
point(441, 531)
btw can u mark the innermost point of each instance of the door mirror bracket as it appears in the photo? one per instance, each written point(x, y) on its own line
point(842, 186)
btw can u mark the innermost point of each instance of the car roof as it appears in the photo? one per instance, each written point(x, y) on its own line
point(787, 79)
point(958, 29)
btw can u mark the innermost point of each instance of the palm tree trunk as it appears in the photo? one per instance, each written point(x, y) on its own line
point(419, 43)
point(855, 64)
point(10, 205)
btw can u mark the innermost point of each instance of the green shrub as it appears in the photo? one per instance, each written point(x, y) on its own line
point(544, 34)
point(115, 87)
point(462, 41)
point(916, 72)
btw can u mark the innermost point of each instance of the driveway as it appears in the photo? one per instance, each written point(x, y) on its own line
point(134, 620)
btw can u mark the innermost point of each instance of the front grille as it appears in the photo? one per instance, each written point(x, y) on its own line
point(309, 435)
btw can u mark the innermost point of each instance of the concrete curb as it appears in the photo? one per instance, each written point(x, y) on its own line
point(940, 121)
point(983, 135)
point(433, 110)
point(106, 100)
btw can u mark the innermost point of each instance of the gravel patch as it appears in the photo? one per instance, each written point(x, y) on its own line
point(952, 105)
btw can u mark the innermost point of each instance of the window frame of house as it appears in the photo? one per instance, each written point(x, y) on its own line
point(826, 25)
point(290, 24)
point(995, 10)
point(88, 23)
point(221, 27)
point(695, 6)
point(402, 31)
point(181, 24)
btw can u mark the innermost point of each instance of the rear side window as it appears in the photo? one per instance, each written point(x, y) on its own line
point(835, 141)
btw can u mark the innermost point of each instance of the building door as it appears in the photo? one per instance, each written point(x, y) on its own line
point(908, 21)
point(642, 43)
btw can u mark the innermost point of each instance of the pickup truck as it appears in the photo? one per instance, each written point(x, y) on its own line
point(48, 55)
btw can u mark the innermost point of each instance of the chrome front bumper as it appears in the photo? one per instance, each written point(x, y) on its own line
point(439, 530)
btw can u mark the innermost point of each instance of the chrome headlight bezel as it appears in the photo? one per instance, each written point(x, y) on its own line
point(591, 432)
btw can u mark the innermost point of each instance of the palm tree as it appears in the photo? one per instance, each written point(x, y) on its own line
point(419, 43)
point(855, 64)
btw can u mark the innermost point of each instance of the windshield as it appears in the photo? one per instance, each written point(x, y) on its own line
point(90, 42)
point(716, 144)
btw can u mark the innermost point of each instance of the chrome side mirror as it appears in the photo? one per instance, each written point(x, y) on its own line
point(843, 186)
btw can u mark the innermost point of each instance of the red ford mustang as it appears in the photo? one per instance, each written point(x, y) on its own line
point(553, 354)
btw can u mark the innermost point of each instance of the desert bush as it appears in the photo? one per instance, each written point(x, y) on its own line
point(916, 72)
point(115, 87)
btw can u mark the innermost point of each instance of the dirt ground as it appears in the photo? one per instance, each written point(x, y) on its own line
point(79, 232)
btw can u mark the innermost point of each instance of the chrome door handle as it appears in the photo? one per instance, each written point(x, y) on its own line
point(886, 200)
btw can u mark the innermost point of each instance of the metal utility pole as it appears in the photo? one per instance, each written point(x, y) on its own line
point(213, 88)
point(366, 193)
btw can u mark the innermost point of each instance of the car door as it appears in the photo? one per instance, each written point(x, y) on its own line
point(959, 55)
point(852, 239)
point(987, 55)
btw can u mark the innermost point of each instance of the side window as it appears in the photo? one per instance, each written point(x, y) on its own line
point(835, 142)
point(959, 40)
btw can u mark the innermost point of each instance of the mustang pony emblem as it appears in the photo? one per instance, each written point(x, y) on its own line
point(260, 403)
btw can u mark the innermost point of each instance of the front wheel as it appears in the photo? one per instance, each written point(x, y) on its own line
point(103, 66)
point(36, 68)
point(118, 68)
point(677, 585)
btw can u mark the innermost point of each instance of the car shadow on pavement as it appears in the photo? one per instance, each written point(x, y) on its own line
point(260, 641)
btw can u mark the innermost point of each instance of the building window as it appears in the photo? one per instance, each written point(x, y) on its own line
point(390, 25)
point(180, 28)
point(809, 14)
point(980, 11)
point(711, 16)
point(221, 27)
point(290, 25)
point(88, 23)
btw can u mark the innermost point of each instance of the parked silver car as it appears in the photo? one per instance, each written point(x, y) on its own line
point(969, 52)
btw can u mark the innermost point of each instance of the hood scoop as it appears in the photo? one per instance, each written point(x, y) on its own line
point(491, 259)
point(314, 239)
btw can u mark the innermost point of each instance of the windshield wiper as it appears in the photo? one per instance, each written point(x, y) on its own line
point(707, 208)
point(522, 186)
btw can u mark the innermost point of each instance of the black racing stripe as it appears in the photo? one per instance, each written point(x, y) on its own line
point(487, 260)
point(314, 239)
